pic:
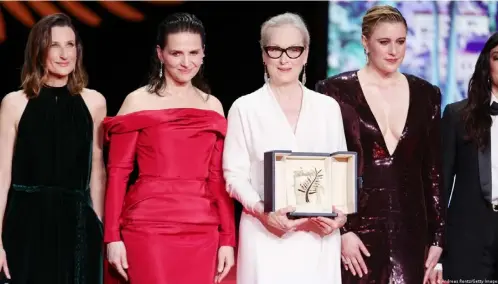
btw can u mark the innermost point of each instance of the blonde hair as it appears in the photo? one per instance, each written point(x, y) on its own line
point(285, 19)
point(380, 14)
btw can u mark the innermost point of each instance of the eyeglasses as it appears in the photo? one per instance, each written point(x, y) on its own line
point(276, 52)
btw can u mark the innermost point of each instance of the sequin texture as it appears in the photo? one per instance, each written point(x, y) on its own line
point(400, 213)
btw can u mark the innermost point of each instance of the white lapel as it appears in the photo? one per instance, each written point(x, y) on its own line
point(281, 120)
point(304, 124)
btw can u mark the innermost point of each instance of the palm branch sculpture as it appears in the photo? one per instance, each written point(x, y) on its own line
point(311, 184)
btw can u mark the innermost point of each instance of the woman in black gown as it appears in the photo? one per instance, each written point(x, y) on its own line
point(52, 175)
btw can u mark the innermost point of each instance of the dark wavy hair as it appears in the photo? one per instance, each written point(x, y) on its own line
point(176, 23)
point(34, 72)
point(476, 113)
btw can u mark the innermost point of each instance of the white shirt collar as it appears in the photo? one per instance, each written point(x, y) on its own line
point(493, 99)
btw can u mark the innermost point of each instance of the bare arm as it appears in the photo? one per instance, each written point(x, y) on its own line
point(10, 110)
point(98, 109)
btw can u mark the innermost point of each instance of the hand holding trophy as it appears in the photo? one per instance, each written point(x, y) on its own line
point(328, 225)
point(277, 222)
point(314, 185)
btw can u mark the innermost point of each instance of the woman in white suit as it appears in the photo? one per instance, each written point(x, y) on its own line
point(282, 115)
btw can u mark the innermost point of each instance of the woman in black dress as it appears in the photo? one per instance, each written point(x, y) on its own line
point(52, 176)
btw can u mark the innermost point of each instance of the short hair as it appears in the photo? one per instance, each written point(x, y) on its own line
point(285, 19)
point(34, 71)
point(380, 14)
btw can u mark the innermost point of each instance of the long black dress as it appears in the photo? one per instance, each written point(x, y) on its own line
point(51, 233)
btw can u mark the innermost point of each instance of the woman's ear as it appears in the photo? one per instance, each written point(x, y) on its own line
point(159, 52)
point(364, 42)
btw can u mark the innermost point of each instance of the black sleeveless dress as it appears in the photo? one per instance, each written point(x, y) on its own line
point(51, 233)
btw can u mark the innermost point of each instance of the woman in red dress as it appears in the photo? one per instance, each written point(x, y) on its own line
point(175, 224)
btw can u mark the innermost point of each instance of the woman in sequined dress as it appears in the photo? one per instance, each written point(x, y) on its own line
point(392, 120)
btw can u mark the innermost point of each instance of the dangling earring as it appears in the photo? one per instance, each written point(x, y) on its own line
point(366, 54)
point(303, 79)
point(267, 78)
point(161, 71)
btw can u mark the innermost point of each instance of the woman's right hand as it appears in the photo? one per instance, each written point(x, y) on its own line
point(277, 222)
point(351, 249)
point(3, 263)
point(116, 255)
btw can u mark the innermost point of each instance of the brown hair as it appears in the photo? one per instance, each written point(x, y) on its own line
point(176, 23)
point(380, 14)
point(34, 72)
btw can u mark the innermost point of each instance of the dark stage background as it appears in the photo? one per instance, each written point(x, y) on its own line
point(117, 52)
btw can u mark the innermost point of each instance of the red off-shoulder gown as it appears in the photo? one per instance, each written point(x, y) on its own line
point(177, 214)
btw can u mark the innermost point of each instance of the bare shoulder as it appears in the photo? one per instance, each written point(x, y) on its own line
point(15, 98)
point(94, 98)
point(95, 102)
point(14, 103)
point(215, 104)
point(133, 101)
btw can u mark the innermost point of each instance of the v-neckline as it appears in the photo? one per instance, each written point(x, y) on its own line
point(374, 119)
point(282, 113)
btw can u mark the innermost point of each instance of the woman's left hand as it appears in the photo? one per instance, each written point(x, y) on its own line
point(327, 226)
point(226, 260)
point(432, 259)
point(435, 277)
